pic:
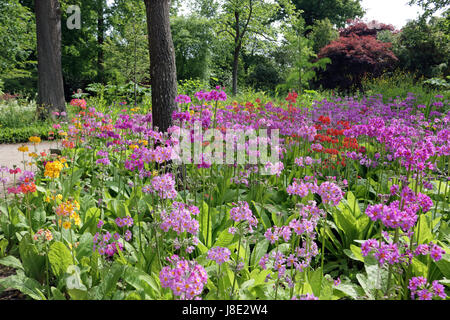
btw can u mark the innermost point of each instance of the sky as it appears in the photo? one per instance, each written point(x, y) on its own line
point(395, 12)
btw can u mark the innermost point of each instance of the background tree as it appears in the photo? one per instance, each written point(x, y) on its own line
point(239, 20)
point(101, 29)
point(126, 45)
point(18, 39)
point(80, 47)
point(303, 64)
point(193, 40)
point(337, 11)
point(322, 33)
point(162, 63)
point(50, 78)
point(423, 48)
point(431, 6)
point(356, 54)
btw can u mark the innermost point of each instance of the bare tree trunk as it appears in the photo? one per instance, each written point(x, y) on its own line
point(100, 39)
point(237, 48)
point(162, 63)
point(235, 70)
point(50, 78)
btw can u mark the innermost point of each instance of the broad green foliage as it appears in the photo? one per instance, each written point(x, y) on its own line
point(300, 49)
point(355, 207)
point(101, 230)
point(192, 39)
point(337, 11)
point(18, 39)
point(126, 47)
point(322, 33)
point(423, 47)
point(431, 6)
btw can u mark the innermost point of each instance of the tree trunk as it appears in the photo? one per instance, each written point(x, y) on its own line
point(50, 78)
point(162, 63)
point(235, 69)
point(237, 49)
point(100, 40)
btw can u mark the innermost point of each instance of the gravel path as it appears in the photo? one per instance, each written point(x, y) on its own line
point(9, 155)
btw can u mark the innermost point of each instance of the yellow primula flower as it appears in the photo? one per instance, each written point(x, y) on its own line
point(33, 155)
point(23, 148)
point(77, 205)
point(53, 169)
point(75, 245)
point(144, 142)
point(66, 225)
point(133, 146)
point(35, 140)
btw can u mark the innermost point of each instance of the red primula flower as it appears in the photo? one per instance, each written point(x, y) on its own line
point(292, 97)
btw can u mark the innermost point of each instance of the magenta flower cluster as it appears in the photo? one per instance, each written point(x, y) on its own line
point(180, 219)
point(308, 296)
point(301, 256)
point(420, 287)
point(107, 244)
point(306, 161)
point(392, 253)
point(163, 185)
point(329, 191)
point(301, 188)
point(219, 255)
point(241, 212)
point(400, 214)
point(185, 278)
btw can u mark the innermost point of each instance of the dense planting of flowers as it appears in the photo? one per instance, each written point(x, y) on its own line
point(353, 203)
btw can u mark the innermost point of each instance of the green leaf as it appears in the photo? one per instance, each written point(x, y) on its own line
point(56, 294)
point(141, 281)
point(90, 219)
point(84, 248)
point(109, 283)
point(204, 230)
point(133, 296)
point(38, 218)
point(262, 215)
point(362, 279)
point(274, 212)
point(259, 251)
point(27, 286)
point(315, 281)
point(419, 268)
point(12, 262)
point(353, 203)
point(60, 258)
point(32, 261)
point(444, 265)
point(75, 287)
point(354, 253)
point(224, 239)
point(424, 234)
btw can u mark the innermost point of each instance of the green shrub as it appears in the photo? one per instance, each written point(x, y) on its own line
point(191, 86)
point(399, 85)
point(17, 114)
point(19, 135)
